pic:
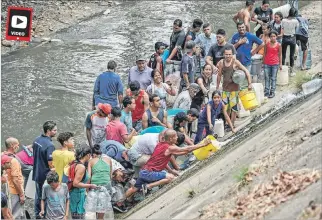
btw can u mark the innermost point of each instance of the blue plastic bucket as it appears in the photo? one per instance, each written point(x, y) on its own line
point(153, 129)
point(174, 111)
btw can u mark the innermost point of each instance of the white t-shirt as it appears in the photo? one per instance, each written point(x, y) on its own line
point(290, 26)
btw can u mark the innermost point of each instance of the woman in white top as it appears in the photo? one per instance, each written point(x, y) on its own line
point(159, 88)
point(289, 26)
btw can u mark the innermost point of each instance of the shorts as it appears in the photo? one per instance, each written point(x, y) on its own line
point(146, 176)
point(231, 100)
point(303, 40)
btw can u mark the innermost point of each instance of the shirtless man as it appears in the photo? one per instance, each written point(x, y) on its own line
point(244, 14)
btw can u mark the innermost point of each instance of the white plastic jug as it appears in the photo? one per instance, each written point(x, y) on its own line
point(242, 113)
point(30, 187)
point(219, 128)
point(282, 76)
point(259, 91)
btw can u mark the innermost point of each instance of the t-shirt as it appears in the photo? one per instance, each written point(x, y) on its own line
point(276, 27)
point(304, 23)
point(113, 149)
point(183, 101)
point(244, 51)
point(97, 125)
point(217, 52)
point(289, 26)
point(43, 148)
point(265, 16)
point(60, 159)
point(15, 171)
point(108, 86)
point(55, 201)
point(143, 77)
point(161, 92)
point(187, 66)
point(177, 39)
point(115, 130)
point(126, 119)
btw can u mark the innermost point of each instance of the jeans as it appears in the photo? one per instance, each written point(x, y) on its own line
point(270, 78)
point(288, 41)
point(201, 127)
point(38, 196)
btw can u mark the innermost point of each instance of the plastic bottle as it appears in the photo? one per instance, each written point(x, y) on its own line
point(311, 86)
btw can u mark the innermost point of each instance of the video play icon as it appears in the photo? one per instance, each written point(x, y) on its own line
point(19, 22)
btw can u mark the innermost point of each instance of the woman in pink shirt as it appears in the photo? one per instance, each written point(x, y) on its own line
point(272, 61)
point(116, 130)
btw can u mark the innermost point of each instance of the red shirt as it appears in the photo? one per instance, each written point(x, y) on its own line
point(138, 112)
point(158, 161)
point(115, 130)
point(271, 56)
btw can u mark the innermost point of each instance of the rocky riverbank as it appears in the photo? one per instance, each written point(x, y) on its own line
point(50, 17)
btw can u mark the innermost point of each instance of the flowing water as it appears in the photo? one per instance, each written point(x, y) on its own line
point(55, 81)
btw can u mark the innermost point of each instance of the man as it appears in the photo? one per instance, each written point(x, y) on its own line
point(116, 130)
point(194, 31)
point(243, 42)
point(43, 148)
point(226, 68)
point(153, 172)
point(216, 51)
point(15, 178)
point(184, 99)
point(244, 14)
point(64, 155)
point(205, 41)
point(126, 118)
point(262, 14)
point(108, 87)
point(302, 37)
point(155, 115)
point(141, 73)
point(26, 159)
point(177, 41)
point(187, 70)
point(155, 61)
point(95, 124)
point(141, 104)
point(5, 210)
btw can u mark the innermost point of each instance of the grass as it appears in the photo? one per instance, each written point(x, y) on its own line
point(191, 193)
point(300, 78)
point(241, 177)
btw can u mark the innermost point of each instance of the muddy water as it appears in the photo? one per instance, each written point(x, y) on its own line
point(55, 81)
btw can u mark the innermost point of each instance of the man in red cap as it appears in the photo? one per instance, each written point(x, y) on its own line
point(96, 122)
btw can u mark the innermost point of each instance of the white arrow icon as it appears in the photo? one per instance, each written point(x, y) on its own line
point(19, 22)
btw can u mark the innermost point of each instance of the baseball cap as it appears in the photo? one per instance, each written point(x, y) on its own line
point(5, 159)
point(140, 59)
point(190, 45)
point(106, 108)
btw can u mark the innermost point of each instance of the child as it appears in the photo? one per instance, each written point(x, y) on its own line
point(56, 197)
point(264, 37)
point(272, 60)
point(276, 25)
point(209, 114)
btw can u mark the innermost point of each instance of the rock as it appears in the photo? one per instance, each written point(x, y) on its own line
point(51, 29)
point(304, 138)
point(87, 8)
point(7, 43)
point(107, 12)
point(56, 40)
point(36, 40)
point(45, 39)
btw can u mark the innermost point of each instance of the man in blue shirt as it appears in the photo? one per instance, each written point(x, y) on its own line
point(108, 87)
point(43, 148)
point(243, 42)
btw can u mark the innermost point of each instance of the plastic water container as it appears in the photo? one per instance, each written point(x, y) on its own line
point(311, 86)
point(238, 76)
point(153, 129)
point(257, 61)
point(205, 152)
point(219, 128)
point(259, 91)
point(282, 76)
point(30, 191)
point(174, 111)
point(242, 113)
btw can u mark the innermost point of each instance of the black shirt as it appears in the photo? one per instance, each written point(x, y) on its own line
point(264, 16)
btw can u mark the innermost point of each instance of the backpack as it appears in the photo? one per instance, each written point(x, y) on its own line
point(71, 174)
point(303, 27)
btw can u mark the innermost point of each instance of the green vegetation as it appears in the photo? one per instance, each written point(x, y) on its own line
point(300, 78)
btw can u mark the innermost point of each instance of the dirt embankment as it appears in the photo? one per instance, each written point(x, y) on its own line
point(50, 17)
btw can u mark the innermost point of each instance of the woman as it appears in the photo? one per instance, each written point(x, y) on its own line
point(265, 36)
point(289, 26)
point(208, 115)
point(159, 88)
point(78, 192)
point(272, 60)
point(100, 173)
point(204, 82)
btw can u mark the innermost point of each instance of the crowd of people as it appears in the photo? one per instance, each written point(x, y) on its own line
point(118, 161)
